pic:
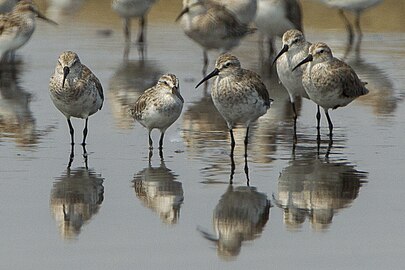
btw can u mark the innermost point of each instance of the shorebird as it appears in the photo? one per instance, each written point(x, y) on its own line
point(75, 90)
point(212, 26)
point(245, 10)
point(275, 17)
point(354, 6)
point(239, 94)
point(17, 27)
point(329, 82)
point(159, 106)
point(294, 49)
point(128, 9)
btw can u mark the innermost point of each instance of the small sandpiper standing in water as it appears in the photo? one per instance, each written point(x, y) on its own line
point(329, 82)
point(75, 90)
point(356, 7)
point(17, 27)
point(128, 9)
point(295, 48)
point(274, 17)
point(239, 94)
point(159, 106)
point(212, 26)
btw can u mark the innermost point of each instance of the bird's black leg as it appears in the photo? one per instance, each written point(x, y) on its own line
point(232, 141)
point(246, 162)
point(330, 124)
point(358, 30)
point(72, 155)
point(150, 155)
point(85, 156)
point(127, 30)
point(246, 140)
point(150, 141)
point(142, 38)
point(232, 168)
point(161, 140)
point(329, 149)
point(295, 121)
point(85, 131)
point(71, 131)
point(318, 123)
point(349, 29)
point(142, 23)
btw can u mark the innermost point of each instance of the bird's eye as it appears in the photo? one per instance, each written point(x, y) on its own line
point(322, 51)
point(228, 64)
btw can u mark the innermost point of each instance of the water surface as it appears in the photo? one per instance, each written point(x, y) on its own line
point(308, 206)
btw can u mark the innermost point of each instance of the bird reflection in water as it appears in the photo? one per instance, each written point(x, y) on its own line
point(76, 197)
point(381, 97)
point(129, 81)
point(240, 215)
point(16, 119)
point(203, 126)
point(316, 188)
point(158, 190)
point(205, 134)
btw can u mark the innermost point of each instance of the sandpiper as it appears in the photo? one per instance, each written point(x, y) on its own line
point(159, 106)
point(275, 17)
point(128, 9)
point(75, 90)
point(356, 7)
point(329, 82)
point(212, 26)
point(245, 10)
point(239, 94)
point(294, 49)
point(17, 27)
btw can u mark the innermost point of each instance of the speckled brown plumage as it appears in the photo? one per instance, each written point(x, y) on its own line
point(159, 106)
point(75, 90)
point(239, 94)
point(330, 82)
point(17, 26)
point(212, 26)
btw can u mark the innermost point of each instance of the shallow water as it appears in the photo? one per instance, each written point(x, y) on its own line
point(309, 206)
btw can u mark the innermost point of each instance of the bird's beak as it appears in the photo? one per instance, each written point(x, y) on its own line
point(175, 91)
point(66, 71)
point(306, 59)
point(283, 50)
point(184, 11)
point(41, 16)
point(209, 76)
